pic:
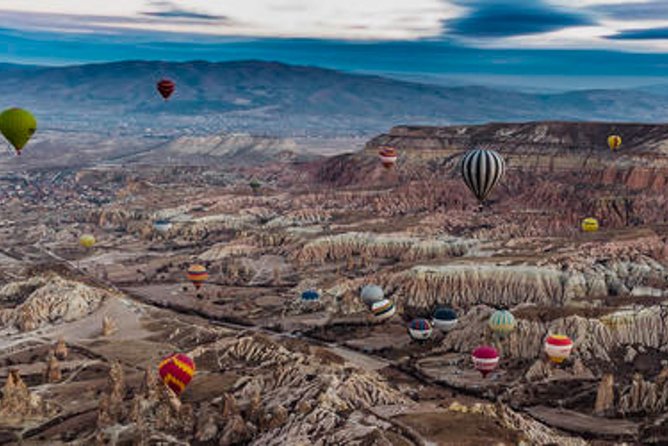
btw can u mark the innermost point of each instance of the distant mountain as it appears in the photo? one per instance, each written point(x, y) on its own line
point(284, 100)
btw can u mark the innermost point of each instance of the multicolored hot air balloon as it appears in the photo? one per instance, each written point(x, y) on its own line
point(176, 371)
point(165, 87)
point(197, 274)
point(310, 296)
point(17, 126)
point(589, 225)
point(388, 157)
point(614, 142)
point(419, 329)
point(444, 318)
point(162, 226)
point(87, 241)
point(558, 348)
point(482, 169)
point(382, 310)
point(371, 294)
point(485, 359)
point(502, 322)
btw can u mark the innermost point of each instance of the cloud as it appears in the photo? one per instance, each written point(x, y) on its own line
point(505, 18)
point(171, 11)
point(327, 19)
point(642, 34)
point(651, 10)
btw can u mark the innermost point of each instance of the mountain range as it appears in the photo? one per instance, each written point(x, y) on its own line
point(276, 99)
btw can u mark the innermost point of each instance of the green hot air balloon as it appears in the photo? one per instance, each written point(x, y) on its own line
point(18, 126)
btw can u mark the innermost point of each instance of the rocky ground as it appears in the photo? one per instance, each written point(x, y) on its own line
point(81, 332)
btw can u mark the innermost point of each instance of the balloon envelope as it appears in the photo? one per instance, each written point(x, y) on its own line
point(176, 371)
point(502, 322)
point(420, 329)
point(485, 359)
point(590, 225)
point(166, 87)
point(482, 169)
point(197, 274)
point(388, 157)
point(444, 318)
point(310, 296)
point(371, 294)
point(162, 225)
point(87, 240)
point(18, 126)
point(558, 347)
point(382, 310)
point(614, 142)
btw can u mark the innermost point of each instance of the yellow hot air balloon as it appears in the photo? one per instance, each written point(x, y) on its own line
point(87, 241)
point(590, 225)
point(614, 141)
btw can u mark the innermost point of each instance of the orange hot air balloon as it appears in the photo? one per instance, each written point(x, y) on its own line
point(176, 371)
point(388, 157)
point(558, 348)
point(166, 87)
point(197, 274)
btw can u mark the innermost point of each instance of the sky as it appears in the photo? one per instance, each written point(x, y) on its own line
point(502, 39)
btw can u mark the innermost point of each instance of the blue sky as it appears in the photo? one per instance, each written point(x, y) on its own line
point(511, 38)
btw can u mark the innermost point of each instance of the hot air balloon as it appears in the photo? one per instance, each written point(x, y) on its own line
point(197, 274)
point(388, 157)
point(558, 348)
point(502, 322)
point(18, 126)
point(444, 318)
point(382, 310)
point(176, 371)
point(614, 142)
point(485, 359)
point(87, 241)
point(589, 225)
point(255, 185)
point(371, 294)
point(482, 169)
point(162, 226)
point(419, 329)
point(165, 87)
point(310, 296)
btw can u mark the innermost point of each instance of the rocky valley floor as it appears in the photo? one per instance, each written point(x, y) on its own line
point(82, 331)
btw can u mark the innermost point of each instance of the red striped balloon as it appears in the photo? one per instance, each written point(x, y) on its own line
point(166, 87)
point(176, 371)
point(388, 157)
point(485, 359)
point(558, 347)
point(197, 274)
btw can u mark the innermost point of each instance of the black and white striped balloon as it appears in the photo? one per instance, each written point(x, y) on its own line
point(482, 169)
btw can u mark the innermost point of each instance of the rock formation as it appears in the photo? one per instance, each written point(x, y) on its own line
point(57, 299)
point(19, 404)
point(108, 326)
point(52, 372)
point(60, 350)
point(605, 396)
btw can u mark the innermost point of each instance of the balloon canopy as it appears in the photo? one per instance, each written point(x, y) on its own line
point(166, 87)
point(17, 126)
point(485, 359)
point(482, 169)
point(176, 371)
point(197, 274)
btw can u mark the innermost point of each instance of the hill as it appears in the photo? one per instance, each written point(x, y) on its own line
point(284, 100)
